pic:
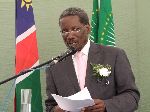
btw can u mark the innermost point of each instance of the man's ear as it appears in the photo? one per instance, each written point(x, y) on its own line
point(88, 27)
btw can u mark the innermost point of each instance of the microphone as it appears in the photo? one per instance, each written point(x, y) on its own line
point(70, 51)
point(51, 62)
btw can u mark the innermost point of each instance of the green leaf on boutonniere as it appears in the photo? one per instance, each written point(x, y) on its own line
point(101, 71)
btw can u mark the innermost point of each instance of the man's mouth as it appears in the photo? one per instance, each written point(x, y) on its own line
point(73, 44)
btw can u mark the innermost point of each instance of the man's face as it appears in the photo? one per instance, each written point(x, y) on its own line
point(74, 33)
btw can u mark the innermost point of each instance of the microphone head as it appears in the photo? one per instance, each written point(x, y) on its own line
point(72, 50)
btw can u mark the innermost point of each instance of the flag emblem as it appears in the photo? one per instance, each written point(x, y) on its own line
point(27, 3)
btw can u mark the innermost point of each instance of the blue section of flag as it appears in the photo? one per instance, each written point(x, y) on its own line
point(24, 17)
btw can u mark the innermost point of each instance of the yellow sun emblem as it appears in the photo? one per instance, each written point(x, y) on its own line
point(26, 3)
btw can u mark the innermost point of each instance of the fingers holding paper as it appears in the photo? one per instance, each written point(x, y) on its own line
point(58, 109)
point(99, 106)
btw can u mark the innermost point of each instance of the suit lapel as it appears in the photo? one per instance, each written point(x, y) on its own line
point(95, 56)
point(72, 74)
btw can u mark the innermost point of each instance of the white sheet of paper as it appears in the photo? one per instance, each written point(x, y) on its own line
point(76, 102)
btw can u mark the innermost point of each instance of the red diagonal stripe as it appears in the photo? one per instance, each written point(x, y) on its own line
point(26, 53)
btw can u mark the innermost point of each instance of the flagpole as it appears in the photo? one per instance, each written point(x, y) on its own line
point(15, 55)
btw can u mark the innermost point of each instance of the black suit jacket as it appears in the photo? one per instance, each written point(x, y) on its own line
point(120, 95)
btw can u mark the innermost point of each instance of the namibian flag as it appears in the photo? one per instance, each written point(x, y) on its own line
point(28, 87)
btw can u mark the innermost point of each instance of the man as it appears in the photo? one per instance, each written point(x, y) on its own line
point(114, 92)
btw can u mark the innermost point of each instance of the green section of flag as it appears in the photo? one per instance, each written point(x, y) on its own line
point(95, 22)
point(30, 82)
point(102, 25)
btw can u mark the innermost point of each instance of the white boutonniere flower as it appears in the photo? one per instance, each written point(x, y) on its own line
point(101, 72)
point(104, 72)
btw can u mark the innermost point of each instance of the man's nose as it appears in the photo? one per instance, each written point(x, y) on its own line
point(70, 35)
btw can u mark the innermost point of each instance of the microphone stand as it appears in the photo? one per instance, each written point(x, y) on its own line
point(51, 62)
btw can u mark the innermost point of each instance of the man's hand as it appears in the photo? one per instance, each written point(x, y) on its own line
point(98, 107)
point(58, 109)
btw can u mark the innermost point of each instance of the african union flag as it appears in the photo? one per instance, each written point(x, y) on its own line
point(28, 87)
point(102, 31)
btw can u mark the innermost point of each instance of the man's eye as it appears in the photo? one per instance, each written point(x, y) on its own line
point(63, 31)
point(76, 29)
